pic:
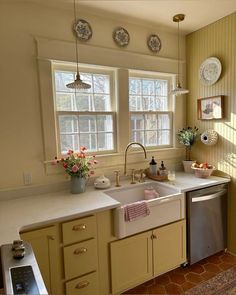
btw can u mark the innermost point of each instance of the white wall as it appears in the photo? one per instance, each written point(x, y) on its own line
point(21, 132)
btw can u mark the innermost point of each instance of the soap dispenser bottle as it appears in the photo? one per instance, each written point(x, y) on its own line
point(153, 166)
point(162, 169)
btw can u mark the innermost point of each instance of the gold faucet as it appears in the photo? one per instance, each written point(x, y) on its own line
point(126, 151)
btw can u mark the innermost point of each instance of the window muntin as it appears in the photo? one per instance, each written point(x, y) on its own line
point(150, 116)
point(85, 117)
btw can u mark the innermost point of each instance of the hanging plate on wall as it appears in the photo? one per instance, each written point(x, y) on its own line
point(121, 37)
point(210, 70)
point(154, 43)
point(83, 30)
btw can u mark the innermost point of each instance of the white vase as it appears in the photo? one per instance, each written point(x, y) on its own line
point(78, 185)
point(187, 166)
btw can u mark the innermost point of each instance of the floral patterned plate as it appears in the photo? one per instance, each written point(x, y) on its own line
point(154, 43)
point(210, 70)
point(83, 30)
point(121, 37)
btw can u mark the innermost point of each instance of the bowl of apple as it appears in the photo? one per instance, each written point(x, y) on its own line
point(202, 170)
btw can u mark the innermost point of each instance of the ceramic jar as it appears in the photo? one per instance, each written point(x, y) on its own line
point(78, 184)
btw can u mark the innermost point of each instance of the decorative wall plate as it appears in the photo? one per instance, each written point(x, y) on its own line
point(154, 43)
point(210, 70)
point(121, 37)
point(83, 30)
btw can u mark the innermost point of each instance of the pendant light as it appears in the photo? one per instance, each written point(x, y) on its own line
point(78, 83)
point(178, 90)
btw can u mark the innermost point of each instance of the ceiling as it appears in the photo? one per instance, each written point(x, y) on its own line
point(199, 13)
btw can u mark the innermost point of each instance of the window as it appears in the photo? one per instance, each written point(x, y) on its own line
point(149, 107)
point(85, 117)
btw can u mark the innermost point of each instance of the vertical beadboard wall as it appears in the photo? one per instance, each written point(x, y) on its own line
point(218, 40)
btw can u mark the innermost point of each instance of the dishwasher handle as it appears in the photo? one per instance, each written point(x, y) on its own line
point(209, 197)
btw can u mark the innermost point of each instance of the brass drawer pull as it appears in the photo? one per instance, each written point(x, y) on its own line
point(80, 251)
point(79, 227)
point(82, 285)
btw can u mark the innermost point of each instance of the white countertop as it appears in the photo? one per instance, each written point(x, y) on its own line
point(40, 210)
point(43, 209)
point(188, 182)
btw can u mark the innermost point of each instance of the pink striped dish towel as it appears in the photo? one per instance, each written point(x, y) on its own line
point(136, 210)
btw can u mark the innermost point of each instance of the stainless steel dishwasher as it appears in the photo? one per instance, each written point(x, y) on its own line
point(207, 221)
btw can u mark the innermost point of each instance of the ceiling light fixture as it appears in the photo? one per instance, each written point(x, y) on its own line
point(78, 83)
point(178, 90)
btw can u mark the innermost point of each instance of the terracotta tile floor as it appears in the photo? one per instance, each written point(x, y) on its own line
point(181, 279)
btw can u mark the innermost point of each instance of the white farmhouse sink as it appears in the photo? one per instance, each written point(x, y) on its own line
point(169, 207)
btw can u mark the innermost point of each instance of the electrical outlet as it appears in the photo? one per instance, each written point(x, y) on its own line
point(27, 178)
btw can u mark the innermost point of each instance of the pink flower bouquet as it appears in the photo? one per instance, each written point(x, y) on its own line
point(78, 164)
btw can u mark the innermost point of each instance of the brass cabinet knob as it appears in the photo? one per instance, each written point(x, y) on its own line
point(82, 284)
point(80, 251)
point(79, 227)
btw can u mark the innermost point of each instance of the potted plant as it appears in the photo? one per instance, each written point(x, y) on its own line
point(79, 166)
point(188, 136)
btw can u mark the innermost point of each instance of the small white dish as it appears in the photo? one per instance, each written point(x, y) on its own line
point(102, 182)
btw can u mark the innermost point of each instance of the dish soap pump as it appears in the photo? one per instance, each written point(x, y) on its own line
point(153, 166)
point(162, 169)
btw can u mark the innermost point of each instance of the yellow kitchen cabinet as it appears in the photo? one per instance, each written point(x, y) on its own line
point(45, 244)
point(131, 261)
point(169, 247)
point(67, 256)
point(80, 256)
point(141, 257)
point(86, 285)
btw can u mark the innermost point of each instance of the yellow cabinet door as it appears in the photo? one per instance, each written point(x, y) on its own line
point(169, 247)
point(131, 261)
point(45, 246)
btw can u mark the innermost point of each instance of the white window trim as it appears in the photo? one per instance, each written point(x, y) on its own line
point(58, 66)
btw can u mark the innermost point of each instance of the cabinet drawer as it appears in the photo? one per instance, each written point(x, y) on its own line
point(79, 230)
point(86, 285)
point(80, 258)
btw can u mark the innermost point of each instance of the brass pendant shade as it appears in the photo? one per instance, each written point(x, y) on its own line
point(78, 83)
point(178, 90)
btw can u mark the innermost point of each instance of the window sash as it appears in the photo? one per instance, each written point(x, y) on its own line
point(90, 133)
point(142, 76)
point(145, 130)
point(149, 99)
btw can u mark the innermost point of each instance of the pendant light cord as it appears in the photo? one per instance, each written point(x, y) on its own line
point(178, 56)
point(76, 42)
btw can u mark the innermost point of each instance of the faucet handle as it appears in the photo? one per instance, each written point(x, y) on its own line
point(133, 176)
point(117, 173)
point(142, 175)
